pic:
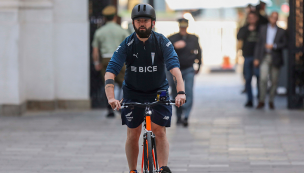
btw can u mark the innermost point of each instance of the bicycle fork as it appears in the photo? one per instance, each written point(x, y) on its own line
point(147, 129)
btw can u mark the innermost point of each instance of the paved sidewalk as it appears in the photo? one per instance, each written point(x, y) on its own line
point(223, 137)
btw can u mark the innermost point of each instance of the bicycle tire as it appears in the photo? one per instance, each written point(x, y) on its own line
point(155, 153)
point(150, 157)
point(145, 166)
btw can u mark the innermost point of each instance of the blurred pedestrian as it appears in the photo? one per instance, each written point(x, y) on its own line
point(261, 10)
point(242, 14)
point(249, 35)
point(189, 52)
point(242, 20)
point(268, 55)
point(106, 40)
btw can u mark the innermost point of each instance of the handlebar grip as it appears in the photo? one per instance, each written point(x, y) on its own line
point(122, 107)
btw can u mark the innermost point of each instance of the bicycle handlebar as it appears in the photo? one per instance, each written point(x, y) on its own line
point(151, 104)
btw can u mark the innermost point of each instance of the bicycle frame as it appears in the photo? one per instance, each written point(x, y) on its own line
point(148, 135)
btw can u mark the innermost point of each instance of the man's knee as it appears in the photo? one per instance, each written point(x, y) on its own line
point(159, 131)
point(134, 133)
point(248, 77)
point(263, 79)
point(274, 82)
point(263, 76)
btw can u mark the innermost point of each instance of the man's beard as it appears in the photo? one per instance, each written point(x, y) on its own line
point(143, 33)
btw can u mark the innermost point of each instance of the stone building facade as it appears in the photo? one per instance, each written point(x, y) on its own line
point(44, 55)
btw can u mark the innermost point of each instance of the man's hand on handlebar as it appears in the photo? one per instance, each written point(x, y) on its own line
point(180, 99)
point(115, 104)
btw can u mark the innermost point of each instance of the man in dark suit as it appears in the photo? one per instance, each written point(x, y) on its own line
point(268, 55)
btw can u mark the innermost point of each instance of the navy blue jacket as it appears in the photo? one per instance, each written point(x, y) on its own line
point(145, 64)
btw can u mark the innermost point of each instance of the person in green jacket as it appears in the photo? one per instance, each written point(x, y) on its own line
point(105, 42)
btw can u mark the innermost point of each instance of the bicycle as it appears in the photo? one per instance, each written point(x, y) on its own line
point(149, 158)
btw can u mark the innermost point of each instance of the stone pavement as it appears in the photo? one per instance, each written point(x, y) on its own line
point(223, 137)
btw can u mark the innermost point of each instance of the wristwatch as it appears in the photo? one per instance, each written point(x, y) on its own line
point(181, 92)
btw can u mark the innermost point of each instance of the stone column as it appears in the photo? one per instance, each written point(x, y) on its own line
point(37, 53)
point(12, 100)
point(71, 53)
point(44, 55)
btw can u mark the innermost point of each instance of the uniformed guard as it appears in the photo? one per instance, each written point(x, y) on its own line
point(189, 52)
point(106, 40)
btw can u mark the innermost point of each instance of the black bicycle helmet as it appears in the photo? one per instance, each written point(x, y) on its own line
point(143, 10)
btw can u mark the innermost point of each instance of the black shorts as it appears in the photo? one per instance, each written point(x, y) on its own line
point(161, 114)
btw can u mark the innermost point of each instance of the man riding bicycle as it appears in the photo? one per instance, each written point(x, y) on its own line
point(146, 54)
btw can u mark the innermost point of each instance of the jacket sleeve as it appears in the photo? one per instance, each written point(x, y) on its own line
point(172, 40)
point(282, 42)
point(118, 59)
point(241, 35)
point(95, 42)
point(259, 46)
point(170, 56)
point(199, 55)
